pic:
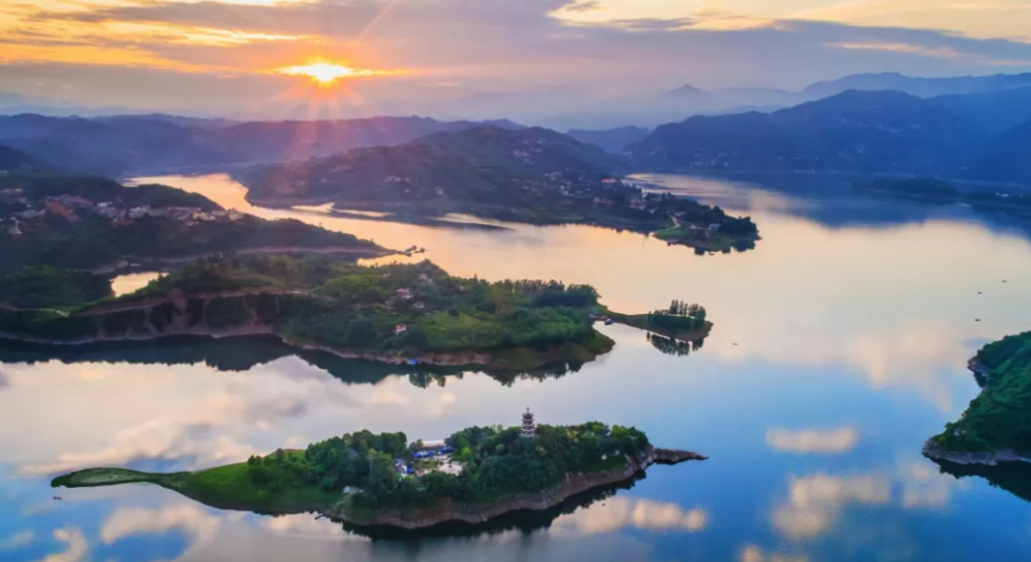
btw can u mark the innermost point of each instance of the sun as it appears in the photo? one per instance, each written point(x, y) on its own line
point(327, 73)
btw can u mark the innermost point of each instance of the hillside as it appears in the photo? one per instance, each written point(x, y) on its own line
point(996, 426)
point(447, 171)
point(531, 175)
point(889, 132)
point(922, 87)
point(611, 140)
point(89, 222)
point(1007, 157)
point(16, 161)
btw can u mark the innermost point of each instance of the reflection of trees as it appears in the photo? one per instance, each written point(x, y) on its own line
point(673, 346)
point(245, 353)
point(1015, 477)
point(522, 521)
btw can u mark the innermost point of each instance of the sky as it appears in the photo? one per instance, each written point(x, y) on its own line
point(227, 56)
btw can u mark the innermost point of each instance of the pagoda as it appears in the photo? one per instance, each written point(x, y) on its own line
point(528, 427)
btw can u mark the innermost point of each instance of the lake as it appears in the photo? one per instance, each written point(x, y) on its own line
point(840, 344)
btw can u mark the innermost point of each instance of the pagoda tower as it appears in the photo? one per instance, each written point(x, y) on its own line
point(528, 427)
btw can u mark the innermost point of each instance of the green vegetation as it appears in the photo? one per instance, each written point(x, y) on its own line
point(388, 312)
point(998, 419)
point(357, 473)
point(937, 191)
point(85, 222)
point(530, 175)
point(49, 287)
point(681, 321)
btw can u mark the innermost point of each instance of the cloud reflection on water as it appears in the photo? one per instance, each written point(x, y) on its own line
point(813, 440)
point(622, 512)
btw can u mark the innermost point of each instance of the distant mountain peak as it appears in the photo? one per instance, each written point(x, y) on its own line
point(688, 91)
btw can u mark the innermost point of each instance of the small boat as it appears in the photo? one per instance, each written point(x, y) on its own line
point(57, 498)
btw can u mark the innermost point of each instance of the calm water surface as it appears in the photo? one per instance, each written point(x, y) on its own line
point(840, 345)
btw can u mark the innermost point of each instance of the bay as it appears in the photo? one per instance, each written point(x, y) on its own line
point(839, 345)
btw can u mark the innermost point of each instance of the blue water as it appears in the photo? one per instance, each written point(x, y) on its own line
point(839, 346)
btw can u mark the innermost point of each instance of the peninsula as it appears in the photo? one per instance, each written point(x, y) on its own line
point(532, 175)
point(370, 480)
point(94, 223)
point(996, 428)
point(411, 313)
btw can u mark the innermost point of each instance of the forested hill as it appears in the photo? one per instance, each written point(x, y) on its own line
point(997, 423)
point(485, 165)
point(128, 144)
point(90, 222)
point(17, 161)
point(974, 136)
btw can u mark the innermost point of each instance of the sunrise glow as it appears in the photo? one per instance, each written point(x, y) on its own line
point(326, 73)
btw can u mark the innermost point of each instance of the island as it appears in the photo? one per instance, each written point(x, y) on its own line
point(369, 480)
point(530, 175)
point(98, 224)
point(930, 190)
point(416, 314)
point(996, 428)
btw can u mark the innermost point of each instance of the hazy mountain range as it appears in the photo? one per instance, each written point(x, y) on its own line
point(975, 136)
point(114, 146)
point(983, 134)
point(571, 108)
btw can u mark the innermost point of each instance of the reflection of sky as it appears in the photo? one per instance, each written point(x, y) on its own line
point(850, 349)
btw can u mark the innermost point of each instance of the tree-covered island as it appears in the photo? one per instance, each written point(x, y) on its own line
point(931, 190)
point(367, 479)
point(997, 425)
point(532, 175)
point(415, 313)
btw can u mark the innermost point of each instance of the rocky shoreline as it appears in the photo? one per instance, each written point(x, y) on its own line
point(935, 452)
point(450, 512)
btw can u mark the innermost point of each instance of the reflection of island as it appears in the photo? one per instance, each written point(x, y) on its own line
point(400, 313)
point(244, 353)
point(524, 521)
point(673, 346)
point(996, 428)
point(369, 480)
point(1015, 478)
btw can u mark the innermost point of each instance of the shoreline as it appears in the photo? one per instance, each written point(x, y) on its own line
point(575, 484)
point(132, 263)
point(935, 452)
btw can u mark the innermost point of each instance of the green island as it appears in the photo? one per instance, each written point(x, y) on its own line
point(937, 191)
point(411, 313)
point(532, 175)
point(930, 190)
point(367, 479)
point(996, 427)
point(94, 223)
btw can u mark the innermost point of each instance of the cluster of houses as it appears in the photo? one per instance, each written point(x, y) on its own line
point(71, 207)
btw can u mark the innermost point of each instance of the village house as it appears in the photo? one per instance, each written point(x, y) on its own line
point(400, 329)
point(404, 294)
